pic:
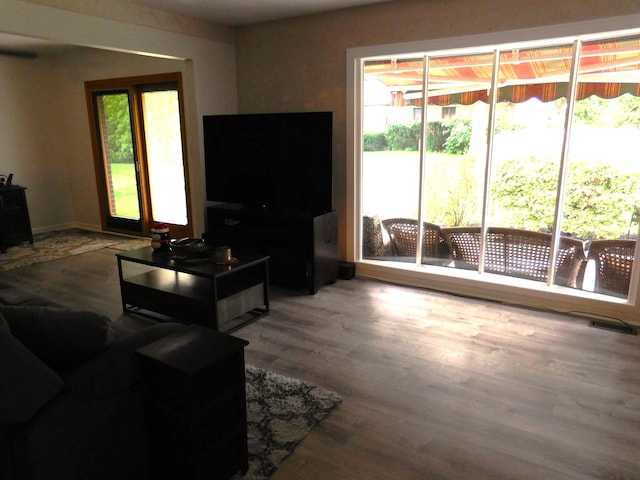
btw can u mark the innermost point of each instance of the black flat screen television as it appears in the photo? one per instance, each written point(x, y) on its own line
point(281, 162)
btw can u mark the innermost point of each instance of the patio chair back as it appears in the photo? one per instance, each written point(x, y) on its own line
point(614, 263)
point(403, 233)
point(517, 253)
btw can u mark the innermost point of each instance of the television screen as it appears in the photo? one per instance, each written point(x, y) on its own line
point(276, 161)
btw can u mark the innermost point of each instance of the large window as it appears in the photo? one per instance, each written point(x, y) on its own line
point(517, 161)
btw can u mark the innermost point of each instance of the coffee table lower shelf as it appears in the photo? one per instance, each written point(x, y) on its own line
point(224, 303)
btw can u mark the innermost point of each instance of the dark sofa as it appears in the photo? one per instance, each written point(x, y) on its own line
point(70, 406)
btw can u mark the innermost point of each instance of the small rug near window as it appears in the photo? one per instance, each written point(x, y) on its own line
point(281, 411)
point(64, 243)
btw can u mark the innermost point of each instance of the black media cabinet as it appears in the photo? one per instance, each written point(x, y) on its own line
point(303, 249)
point(15, 226)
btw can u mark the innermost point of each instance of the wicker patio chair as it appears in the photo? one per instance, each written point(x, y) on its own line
point(614, 262)
point(517, 253)
point(527, 254)
point(465, 249)
point(373, 242)
point(403, 233)
point(464, 243)
point(570, 262)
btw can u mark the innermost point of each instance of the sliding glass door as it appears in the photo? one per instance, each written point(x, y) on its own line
point(140, 163)
point(164, 154)
point(119, 167)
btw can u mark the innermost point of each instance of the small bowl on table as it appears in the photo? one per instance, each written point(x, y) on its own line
point(189, 248)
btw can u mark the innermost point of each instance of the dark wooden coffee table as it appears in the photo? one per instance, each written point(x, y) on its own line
point(195, 290)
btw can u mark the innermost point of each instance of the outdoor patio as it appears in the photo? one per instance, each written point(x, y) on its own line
point(601, 266)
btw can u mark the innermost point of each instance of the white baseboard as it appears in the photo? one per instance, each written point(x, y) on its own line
point(67, 226)
point(53, 228)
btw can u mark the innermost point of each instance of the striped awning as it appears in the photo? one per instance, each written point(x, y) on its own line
point(607, 68)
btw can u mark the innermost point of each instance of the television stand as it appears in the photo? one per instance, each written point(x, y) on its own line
point(302, 248)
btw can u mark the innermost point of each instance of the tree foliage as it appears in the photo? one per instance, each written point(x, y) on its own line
point(459, 137)
point(116, 128)
point(608, 112)
point(454, 190)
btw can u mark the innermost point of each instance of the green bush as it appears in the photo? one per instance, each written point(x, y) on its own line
point(403, 136)
point(599, 199)
point(459, 137)
point(374, 142)
point(450, 136)
point(437, 134)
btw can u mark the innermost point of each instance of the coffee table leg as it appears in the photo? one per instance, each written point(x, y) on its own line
point(266, 286)
point(215, 303)
point(124, 305)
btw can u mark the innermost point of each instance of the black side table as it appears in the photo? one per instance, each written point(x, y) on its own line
point(195, 405)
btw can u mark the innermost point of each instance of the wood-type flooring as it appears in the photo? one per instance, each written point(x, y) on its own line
point(434, 386)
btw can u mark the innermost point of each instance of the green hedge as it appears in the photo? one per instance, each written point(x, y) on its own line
point(403, 136)
point(374, 142)
point(449, 136)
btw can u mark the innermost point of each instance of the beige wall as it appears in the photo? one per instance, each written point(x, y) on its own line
point(44, 129)
point(300, 64)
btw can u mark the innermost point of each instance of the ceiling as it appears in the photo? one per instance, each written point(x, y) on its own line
point(246, 12)
point(25, 47)
point(225, 12)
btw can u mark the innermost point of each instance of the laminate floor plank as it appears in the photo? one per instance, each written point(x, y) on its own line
point(434, 386)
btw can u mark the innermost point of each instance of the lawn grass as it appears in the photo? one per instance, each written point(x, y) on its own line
point(125, 190)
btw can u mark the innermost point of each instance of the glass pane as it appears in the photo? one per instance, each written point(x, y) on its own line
point(164, 156)
point(527, 151)
point(117, 155)
point(602, 198)
point(392, 106)
point(455, 161)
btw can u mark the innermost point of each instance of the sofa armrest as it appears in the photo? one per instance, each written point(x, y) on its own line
point(116, 368)
point(26, 382)
point(17, 297)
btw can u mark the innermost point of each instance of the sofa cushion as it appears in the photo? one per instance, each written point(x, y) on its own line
point(3, 324)
point(61, 337)
point(26, 383)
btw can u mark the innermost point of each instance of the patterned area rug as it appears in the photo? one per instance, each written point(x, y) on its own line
point(64, 243)
point(280, 413)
